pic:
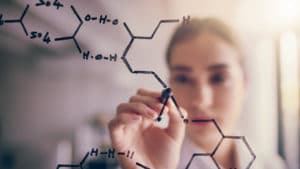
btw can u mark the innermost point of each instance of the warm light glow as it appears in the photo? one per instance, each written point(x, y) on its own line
point(289, 72)
point(285, 13)
point(289, 10)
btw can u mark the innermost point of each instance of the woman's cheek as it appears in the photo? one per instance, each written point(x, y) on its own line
point(182, 93)
point(183, 98)
point(225, 99)
point(228, 105)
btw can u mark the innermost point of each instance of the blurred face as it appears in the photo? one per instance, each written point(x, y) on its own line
point(207, 80)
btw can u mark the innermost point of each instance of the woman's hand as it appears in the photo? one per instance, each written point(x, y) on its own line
point(134, 128)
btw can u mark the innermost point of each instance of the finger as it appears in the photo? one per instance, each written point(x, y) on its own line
point(145, 92)
point(116, 131)
point(127, 118)
point(122, 120)
point(148, 100)
point(137, 108)
point(119, 128)
point(176, 125)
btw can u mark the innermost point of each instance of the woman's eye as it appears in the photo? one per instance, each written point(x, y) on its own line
point(181, 79)
point(217, 79)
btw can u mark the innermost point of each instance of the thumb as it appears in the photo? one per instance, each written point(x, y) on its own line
point(176, 127)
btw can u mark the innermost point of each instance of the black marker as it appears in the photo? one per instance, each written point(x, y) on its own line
point(165, 95)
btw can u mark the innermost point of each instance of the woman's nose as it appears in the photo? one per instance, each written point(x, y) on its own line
point(202, 96)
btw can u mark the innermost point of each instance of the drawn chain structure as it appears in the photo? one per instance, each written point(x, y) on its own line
point(166, 93)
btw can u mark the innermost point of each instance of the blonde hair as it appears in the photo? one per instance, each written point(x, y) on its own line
point(197, 26)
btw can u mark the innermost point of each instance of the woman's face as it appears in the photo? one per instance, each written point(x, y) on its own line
point(207, 80)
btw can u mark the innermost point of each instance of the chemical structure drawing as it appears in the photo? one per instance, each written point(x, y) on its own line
point(210, 155)
point(102, 19)
point(80, 165)
point(243, 140)
point(134, 37)
point(33, 34)
point(95, 152)
point(73, 37)
point(166, 92)
point(45, 37)
point(20, 20)
point(48, 39)
point(223, 137)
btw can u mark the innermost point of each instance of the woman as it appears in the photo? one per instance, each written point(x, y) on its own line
point(208, 80)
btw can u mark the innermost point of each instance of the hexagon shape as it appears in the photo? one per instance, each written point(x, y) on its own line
point(243, 149)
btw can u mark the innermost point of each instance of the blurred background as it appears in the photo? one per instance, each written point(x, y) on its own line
point(54, 105)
